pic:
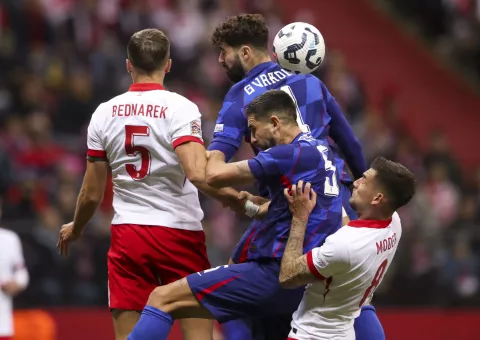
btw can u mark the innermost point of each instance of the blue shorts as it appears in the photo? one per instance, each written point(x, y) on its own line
point(244, 291)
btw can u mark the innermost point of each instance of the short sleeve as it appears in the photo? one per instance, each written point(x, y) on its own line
point(20, 273)
point(330, 259)
point(96, 149)
point(186, 125)
point(231, 123)
point(274, 162)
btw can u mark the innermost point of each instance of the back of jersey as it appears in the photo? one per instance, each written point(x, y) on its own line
point(138, 132)
point(352, 263)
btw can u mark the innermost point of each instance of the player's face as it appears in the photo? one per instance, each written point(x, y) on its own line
point(261, 133)
point(365, 191)
point(229, 58)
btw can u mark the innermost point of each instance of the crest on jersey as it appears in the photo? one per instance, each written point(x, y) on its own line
point(196, 128)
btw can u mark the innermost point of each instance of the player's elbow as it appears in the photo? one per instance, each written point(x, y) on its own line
point(287, 281)
point(197, 178)
point(215, 178)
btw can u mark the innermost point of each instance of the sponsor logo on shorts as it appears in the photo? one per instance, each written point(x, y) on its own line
point(218, 128)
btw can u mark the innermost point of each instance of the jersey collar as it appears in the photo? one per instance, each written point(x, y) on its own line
point(259, 68)
point(376, 224)
point(142, 87)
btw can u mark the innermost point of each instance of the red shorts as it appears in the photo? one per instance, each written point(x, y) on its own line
point(143, 257)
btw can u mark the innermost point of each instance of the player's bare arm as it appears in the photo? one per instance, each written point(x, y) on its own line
point(193, 158)
point(89, 198)
point(294, 271)
point(221, 174)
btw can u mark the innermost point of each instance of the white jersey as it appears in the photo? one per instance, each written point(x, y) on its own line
point(351, 264)
point(138, 132)
point(12, 268)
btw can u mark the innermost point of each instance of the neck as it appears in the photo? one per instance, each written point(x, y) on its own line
point(290, 133)
point(370, 214)
point(157, 78)
point(260, 58)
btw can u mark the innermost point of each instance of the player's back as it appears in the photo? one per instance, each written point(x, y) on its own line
point(308, 159)
point(307, 91)
point(353, 262)
point(138, 131)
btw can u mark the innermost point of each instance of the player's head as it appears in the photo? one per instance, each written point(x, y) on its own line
point(241, 39)
point(272, 117)
point(384, 188)
point(148, 52)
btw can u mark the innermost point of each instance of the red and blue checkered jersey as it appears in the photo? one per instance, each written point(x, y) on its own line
point(308, 159)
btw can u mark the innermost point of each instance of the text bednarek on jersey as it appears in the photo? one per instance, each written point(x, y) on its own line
point(127, 110)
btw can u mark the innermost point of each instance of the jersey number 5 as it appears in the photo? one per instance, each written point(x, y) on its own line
point(331, 183)
point(375, 282)
point(133, 150)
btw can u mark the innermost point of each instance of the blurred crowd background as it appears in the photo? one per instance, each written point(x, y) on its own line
point(452, 27)
point(60, 58)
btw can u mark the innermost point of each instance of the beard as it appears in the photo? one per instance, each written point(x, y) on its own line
point(236, 72)
point(267, 144)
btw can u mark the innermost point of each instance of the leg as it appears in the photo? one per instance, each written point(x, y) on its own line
point(197, 329)
point(224, 293)
point(123, 322)
point(183, 252)
point(367, 326)
point(129, 279)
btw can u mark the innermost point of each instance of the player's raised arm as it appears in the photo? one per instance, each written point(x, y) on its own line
point(92, 191)
point(342, 133)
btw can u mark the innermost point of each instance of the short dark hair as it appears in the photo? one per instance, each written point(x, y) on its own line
point(148, 50)
point(276, 102)
point(242, 29)
point(397, 180)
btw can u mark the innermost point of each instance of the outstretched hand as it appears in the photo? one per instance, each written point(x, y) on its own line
point(301, 200)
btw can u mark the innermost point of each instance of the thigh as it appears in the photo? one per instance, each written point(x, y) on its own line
point(130, 277)
point(177, 253)
point(239, 291)
point(367, 326)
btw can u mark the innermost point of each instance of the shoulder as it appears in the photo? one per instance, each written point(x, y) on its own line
point(180, 101)
point(396, 222)
point(236, 91)
point(9, 236)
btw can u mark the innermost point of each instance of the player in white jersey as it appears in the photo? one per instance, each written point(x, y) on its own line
point(152, 141)
point(344, 272)
point(13, 279)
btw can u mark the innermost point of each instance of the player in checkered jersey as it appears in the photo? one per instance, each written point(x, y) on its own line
point(344, 272)
point(152, 140)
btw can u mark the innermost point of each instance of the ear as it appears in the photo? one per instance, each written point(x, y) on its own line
point(275, 121)
point(129, 66)
point(168, 66)
point(245, 52)
point(378, 198)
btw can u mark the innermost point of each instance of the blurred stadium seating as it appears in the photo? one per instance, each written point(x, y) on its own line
point(60, 58)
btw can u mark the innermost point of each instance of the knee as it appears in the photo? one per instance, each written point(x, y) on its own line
point(161, 298)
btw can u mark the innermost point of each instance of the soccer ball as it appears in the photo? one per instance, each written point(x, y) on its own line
point(299, 47)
